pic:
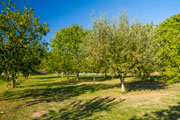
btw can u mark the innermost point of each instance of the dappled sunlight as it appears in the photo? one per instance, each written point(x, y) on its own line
point(81, 98)
point(77, 110)
point(172, 113)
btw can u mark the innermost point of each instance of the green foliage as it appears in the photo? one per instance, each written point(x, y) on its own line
point(95, 46)
point(117, 46)
point(121, 46)
point(143, 48)
point(21, 46)
point(65, 55)
point(168, 35)
point(120, 57)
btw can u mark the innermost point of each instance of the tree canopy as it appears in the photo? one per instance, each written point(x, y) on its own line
point(66, 49)
point(21, 44)
point(168, 34)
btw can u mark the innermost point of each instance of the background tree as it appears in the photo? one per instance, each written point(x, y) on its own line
point(168, 35)
point(96, 45)
point(33, 58)
point(67, 46)
point(143, 49)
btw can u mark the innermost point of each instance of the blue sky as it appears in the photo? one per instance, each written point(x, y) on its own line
point(60, 13)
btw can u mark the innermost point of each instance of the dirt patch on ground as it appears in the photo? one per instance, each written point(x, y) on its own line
point(38, 114)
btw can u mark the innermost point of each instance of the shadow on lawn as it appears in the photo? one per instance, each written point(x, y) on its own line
point(35, 96)
point(73, 77)
point(98, 78)
point(173, 113)
point(51, 84)
point(81, 77)
point(63, 92)
point(48, 82)
point(78, 109)
point(145, 85)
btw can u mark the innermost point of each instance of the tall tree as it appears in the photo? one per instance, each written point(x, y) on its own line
point(120, 57)
point(20, 36)
point(144, 49)
point(96, 44)
point(168, 35)
point(67, 46)
point(120, 47)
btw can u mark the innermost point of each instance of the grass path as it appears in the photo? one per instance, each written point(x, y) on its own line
point(49, 97)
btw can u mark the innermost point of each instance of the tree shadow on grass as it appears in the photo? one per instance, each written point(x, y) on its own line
point(145, 85)
point(143, 82)
point(78, 109)
point(36, 96)
point(63, 92)
point(130, 86)
point(81, 77)
point(172, 113)
point(51, 84)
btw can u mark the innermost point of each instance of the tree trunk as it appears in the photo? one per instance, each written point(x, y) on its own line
point(122, 82)
point(27, 76)
point(14, 82)
point(7, 85)
point(68, 75)
point(24, 77)
point(149, 76)
point(140, 75)
point(105, 75)
point(62, 74)
point(94, 79)
point(7, 79)
point(85, 75)
point(77, 76)
point(112, 76)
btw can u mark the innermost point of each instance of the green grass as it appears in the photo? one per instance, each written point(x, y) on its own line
point(49, 97)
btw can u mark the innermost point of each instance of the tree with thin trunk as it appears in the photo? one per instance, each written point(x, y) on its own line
point(120, 47)
point(96, 45)
point(66, 50)
point(144, 49)
point(20, 35)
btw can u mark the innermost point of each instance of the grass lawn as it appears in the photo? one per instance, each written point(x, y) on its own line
point(49, 97)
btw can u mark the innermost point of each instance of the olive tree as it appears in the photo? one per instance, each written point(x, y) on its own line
point(121, 47)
